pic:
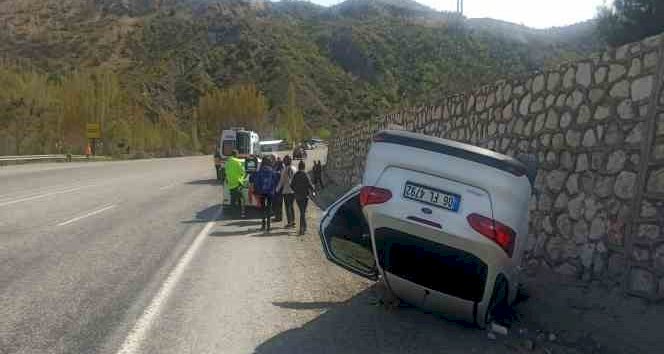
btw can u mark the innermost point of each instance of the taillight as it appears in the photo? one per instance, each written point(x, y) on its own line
point(374, 195)
point(499, 233)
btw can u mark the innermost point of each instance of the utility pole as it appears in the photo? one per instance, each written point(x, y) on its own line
point(460, 6)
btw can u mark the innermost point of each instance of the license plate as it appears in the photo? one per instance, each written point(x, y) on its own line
point(431, 196)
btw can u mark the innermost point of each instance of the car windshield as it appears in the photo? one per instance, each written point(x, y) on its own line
point(410, 176)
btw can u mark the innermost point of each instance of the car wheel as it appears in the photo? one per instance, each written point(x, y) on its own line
point(498, 303)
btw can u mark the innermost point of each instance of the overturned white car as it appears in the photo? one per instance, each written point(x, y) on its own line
point(443, 223)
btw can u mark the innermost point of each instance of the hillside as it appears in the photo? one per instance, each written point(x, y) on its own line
point(349, 62)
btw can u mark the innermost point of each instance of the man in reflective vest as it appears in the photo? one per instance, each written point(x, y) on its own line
point(236, 180)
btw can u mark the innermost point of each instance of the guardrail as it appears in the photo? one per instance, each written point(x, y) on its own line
point(7, 160)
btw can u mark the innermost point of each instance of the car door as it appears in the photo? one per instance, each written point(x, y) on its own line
point(346, 237)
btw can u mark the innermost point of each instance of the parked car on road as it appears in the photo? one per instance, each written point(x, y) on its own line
point(444, 224)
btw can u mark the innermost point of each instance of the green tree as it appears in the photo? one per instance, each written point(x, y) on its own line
point(292, 118)
point(630, 20)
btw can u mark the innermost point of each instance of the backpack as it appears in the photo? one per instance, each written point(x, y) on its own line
point(265, 182)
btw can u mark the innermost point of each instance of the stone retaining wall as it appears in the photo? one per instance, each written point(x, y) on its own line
point(597, 129)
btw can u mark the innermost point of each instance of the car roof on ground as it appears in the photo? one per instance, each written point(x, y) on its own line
point(456, 149)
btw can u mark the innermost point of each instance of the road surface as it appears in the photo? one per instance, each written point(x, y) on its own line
point(138, 257)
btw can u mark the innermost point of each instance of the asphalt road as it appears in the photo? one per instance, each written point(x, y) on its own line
point(138, 257)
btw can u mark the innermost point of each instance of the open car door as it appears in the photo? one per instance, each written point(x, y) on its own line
point(346, 236)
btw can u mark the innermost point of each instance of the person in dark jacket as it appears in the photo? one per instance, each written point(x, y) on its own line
point(317, 171)
point(278, 200)
point(265, 185)
point(303, 188)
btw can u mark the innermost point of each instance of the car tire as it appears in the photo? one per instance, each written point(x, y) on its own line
point(498, 303)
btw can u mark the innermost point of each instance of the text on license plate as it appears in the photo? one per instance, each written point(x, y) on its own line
point(431, 196)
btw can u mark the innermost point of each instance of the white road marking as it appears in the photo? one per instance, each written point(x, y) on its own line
point(132, 343)
point(39, 196)
point(95, 212)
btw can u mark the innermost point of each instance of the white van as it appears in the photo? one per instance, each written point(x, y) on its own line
point(443, 223)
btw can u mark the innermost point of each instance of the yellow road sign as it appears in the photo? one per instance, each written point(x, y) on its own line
point(93, 131)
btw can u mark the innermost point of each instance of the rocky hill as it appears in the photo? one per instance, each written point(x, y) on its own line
point(348, 62)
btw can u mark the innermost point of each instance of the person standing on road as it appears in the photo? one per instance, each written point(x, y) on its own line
point(303, 189)
point(265, 184)
point(285, 187)
point(236, 177)
point(318, 175)
point(278, 201)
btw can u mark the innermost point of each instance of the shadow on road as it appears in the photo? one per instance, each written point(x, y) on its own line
point(204, 182)
point(272, 234)
point(208, 214)
point(244, 223)
point(360, 326)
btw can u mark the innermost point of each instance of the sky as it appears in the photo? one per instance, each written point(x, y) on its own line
point(532, 13)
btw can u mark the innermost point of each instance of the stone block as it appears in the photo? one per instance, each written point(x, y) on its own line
point(575, 99)
point(600, 74)
point(538, 84)
point(524, 106)
point(596, 95)
point(658, 152)
point(519, 90)
point(648, 210)
point(642, 281)
point(558, 141)
point(555, 180)
point(554, 249)
point(620, 89)
point(584, 74)
point(613, 135)
point(602, 112)
point(616, 71)
point(544, 202)
point(587, 183)
point(507, 92)
point(566, 160)
point(604, 186)
point(537, 105)
point(553, 81)
point(575, 207)
point(589, 139)
point(581, 163)
point(635, 68)
point(490, 100)
point(616, 161)
point(528, 129)
point(573, 138)
point(596, 159)
point(551, 158)
point(507, 112)
point(566, 120)
point(650, 60)
point(636, 135)
point(550, 100)
point(584, 115)
point(621, 52)
point(545, 140)
point(572, 184)
point(560, 101)
point(642, 88)
point(625, 183)
point(552, 119)
point(546, 225)
point(539, 122)
point(655, 182)
point(626, 109)
point(564, 226)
